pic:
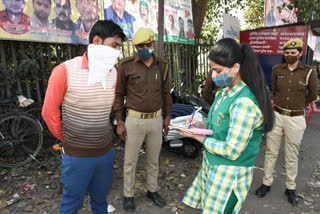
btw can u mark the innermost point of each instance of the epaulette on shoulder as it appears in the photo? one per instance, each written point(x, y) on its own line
point(127, 59)
point(278, 66)
point(308, 66)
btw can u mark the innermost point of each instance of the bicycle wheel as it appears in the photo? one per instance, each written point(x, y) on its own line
point(20, 139)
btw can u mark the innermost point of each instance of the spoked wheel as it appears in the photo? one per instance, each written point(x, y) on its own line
point(20, 139)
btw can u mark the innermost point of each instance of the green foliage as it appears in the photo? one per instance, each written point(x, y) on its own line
point(28, 67)
point(214, 17)
point(253, 14)
point(305, 9)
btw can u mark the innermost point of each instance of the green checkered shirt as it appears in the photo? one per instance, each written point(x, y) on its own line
point(211, 189)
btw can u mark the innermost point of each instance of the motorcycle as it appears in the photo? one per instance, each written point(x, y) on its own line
point(182, 108)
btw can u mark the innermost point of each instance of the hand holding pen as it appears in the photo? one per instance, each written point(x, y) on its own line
point(190, 123)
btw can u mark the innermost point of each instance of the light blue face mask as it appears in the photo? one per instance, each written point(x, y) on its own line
point(223, 79)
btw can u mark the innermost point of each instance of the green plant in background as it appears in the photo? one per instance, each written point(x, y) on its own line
point(29, 69)
point(306, 10)
point(214, 16)
point(253, 14)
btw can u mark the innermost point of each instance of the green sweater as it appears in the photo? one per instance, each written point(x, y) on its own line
point(250, 153)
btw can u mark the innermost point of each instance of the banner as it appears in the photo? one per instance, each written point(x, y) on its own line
point(316, 54)
point(231, 27)
point(57, 21)
point(272, 17)
point(271, 41)
point(132, 15)
point(70, 21)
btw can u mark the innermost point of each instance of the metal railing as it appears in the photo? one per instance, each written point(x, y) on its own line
point(26, 66)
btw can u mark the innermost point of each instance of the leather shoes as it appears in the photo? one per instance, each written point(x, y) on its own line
point(156, 198)
point(128, 204)
point(262, 190)
point(292, 196)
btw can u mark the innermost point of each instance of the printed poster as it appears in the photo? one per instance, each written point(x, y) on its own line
point(132, 15)
point(57, 21)
point(70, 21)
point(270, 41)
point(231, 27)
point(272, 17)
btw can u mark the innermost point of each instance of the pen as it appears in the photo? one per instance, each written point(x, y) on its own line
point(194, 111)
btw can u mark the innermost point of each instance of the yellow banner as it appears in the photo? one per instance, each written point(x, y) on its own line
point(57, 21)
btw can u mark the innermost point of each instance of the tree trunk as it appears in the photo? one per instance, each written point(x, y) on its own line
point(160, 28)
point(199, 9)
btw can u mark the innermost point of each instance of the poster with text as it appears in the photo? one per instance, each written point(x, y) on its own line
point(270, 41)
point(231, 27)
point(272, 17)
point(56, 21)
point(132, 15)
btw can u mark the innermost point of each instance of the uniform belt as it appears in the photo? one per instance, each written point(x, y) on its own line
point(143, 115)
point(288, 112)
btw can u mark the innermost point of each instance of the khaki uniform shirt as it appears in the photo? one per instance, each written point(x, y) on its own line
point(142, 86)
point(209, 89)
point(288, 87)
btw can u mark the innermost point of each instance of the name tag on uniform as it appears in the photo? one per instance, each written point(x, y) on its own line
point(281, 77)
point(135, 77)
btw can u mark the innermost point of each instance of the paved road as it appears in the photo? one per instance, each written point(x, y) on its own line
point(276, 201)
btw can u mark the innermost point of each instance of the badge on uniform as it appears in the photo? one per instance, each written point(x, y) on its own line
point(219, 118)
point(281, 77)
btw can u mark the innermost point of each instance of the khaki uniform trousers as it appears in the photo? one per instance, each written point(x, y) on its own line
point(293, 128)
point(139, 131)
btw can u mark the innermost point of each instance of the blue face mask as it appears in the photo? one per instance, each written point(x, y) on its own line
point(222, 80)
point(145, 53)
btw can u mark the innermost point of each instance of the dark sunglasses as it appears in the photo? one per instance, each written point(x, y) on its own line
point(148, 45)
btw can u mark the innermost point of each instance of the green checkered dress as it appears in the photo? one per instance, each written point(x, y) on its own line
point(214, 184)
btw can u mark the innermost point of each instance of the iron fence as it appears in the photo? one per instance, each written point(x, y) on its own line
point(26, 66)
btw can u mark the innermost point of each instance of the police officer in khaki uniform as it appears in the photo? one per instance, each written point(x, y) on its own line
point(293, 86)
point(143, 80)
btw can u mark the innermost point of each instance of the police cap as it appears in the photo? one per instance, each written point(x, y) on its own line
point(292, 44)
point(143, 35)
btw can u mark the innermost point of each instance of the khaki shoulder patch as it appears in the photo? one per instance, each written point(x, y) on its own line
point(126, 59)
point(278, 66)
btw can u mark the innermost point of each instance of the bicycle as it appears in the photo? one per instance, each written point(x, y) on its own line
point(20, 135)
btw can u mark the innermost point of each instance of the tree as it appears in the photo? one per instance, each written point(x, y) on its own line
point(254, 14)
point(306, 10)
point(199, 10)
point(214, 16)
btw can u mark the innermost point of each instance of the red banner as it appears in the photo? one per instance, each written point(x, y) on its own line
point(270, 41)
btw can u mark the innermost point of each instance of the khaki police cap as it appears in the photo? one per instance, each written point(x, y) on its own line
point(293, 43)
point(143, 35)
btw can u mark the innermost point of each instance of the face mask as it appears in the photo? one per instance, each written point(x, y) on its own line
point(101, 60)
point(222, 80)
point(291, 59)
point(145, 53)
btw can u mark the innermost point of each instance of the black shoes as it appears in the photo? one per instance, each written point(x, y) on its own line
point(292, 196)
point(156, 198)
point(262, 190)
point(128, 204)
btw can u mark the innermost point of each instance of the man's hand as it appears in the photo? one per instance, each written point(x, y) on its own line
point(166, 123)
point(121, 130)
